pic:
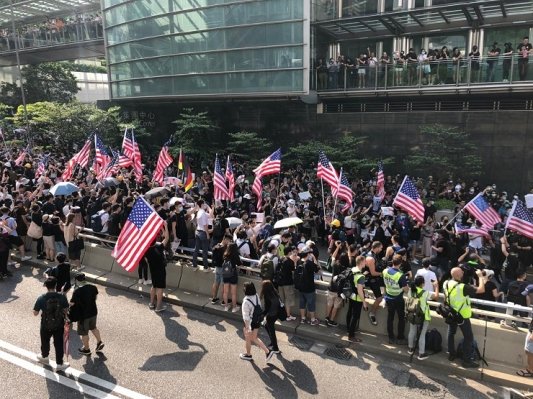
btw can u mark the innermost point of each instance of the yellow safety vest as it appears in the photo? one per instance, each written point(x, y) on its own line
point(423, 298)
point(356, 277)
point(459, 302)
point(392, 282)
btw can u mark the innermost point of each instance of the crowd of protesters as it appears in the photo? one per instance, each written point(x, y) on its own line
point(379, 243)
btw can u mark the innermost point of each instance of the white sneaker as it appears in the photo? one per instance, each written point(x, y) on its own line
point(235, 309)
point(140, 281)
point(43, 360)
point(226, 308)
point(147, 282)
point(291, 318)
point(25, 258)
point(61, 367)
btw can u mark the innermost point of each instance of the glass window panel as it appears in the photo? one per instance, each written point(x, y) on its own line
point(139, 30)
point(512, 35)
point(351, 8)
point(437, 42)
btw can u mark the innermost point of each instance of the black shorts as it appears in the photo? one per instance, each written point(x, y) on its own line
point(159, 279)
point(74, 254)
point(15, 241)
point(230, 280)
point(375, 284)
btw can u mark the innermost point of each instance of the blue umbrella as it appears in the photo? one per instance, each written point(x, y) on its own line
point(64, 188)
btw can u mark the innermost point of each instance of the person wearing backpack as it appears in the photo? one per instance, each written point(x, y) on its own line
point(230, 275)
point(61, 272)
point(99, 219)
point(341, 262)
point(273, 306)
point(286, 267)
point(458, 294)
point(395, 287)
point(514, 292)
point(53, 307)
point(418, 310)
point(252, 315)
point(217, 260)
point(268, 263)
point(374, 266)
point(357, 300)
point(220, 227)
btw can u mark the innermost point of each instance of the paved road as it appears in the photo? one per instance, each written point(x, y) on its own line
point(187, 353)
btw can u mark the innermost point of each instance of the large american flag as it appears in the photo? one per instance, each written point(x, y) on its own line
point(480, 209)
point(381, 181)
point(343, 191)
point(219, 183)
point(123, 161)
point(230, 177)
point(82, 157)
point(409, 200)
point(163, 162)
point(130, 148)
point(257, 189)
point(477, 231)
point(102, 157)
point(520, 219)
point(270, 165)
point(139, 231)
point(326, 171)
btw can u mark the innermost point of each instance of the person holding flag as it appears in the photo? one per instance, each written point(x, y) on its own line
point(230, 177)
point(163, 162)
point(271, 165)
point(220, 188)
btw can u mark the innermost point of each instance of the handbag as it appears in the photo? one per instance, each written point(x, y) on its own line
point(35, 231)
point(282, 313)
point(449, 314)
point(77, 244)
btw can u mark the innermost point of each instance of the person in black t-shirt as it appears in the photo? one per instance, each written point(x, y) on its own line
point(155, 257)
point(307, 288)
point(218, 258)
point(524, 50)
point(61, 272)
point(84, 297)
point(114, 225)
point(492, 61)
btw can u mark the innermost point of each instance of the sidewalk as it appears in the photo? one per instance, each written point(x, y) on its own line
point(499, 374)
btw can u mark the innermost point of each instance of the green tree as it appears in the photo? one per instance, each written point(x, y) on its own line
point(49, 81)
point(444, 152)
point(247, 146)
point(197, 135)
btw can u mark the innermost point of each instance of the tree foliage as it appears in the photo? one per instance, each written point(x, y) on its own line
point(248, 146)
point(444, 152)
point(49, 81)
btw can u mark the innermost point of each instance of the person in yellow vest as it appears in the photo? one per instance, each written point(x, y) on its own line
point(417, 289)
point(458, 294)
point(357, 301)
point(395, 286)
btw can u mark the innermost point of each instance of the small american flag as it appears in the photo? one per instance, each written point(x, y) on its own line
point(111, 167)
point(343, 191)
point(21, 157)
point(130, 148)
point(102, 157)
point(123, 161)
point(230, 177)
point(409, 200)
point(482, 211)
point(219, 183)
point(41, 167)
point(270, 165)
point(257, 189)
point(460, 229)
point(326, 171)
point(82, 157)
point(163, 162)
point(69, 169)
point(381, 181)
point(140, 230)
point(520, 219)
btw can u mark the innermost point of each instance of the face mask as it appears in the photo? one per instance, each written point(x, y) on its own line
point(180, 208)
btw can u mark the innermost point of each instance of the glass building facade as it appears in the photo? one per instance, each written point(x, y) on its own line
point(159, 48)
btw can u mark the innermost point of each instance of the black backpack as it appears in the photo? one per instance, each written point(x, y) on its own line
point(276, 278)
point(218, 233)
point(228, 271)
point(257, 315)
point(514, 294)
point(267, 268)
point(433, 341)
point(345, 283)
point(413, 310)
point(53, 314)
point(96, 223)
point(298, 276)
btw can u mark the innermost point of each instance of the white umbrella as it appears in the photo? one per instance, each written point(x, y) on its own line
point(173, 200)
point(63, 188)
point(154, 192)
point(287, 222)
point(234, 222)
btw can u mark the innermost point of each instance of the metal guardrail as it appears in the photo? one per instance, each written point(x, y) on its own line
point(508, 308)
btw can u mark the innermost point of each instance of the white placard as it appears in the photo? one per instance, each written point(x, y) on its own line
point(529, 200)
point(387, 211)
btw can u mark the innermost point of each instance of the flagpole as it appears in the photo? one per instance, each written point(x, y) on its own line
point(323, 202)
point(337, 195)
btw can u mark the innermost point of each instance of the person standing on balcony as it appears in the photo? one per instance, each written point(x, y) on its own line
point(524, 50)
point(507, 61)
point(474, 56)
point(372, 67)
point(333, 74)
point(361, 72)
point(457, 58)
point(492, 61)
point(412, 62)
point(322, 75)
point(443, 57)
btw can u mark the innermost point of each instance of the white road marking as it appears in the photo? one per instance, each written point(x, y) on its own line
point(117, 389)
point(39, 370)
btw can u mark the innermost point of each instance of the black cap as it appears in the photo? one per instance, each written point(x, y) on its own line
point(80, 277)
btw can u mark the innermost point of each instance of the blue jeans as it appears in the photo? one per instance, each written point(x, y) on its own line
point(468, 335)
point(201, 243)
point(308, 299)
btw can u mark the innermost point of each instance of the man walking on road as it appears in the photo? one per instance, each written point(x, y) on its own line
point(84, 297)
point(458, 295)
point(53, 307)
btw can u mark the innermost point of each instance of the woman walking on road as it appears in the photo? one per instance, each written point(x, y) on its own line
point(252, 317)
point(231, 255)
point(272, 304)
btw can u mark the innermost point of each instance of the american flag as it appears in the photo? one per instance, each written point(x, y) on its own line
point(21, 157)
point(257, 189)
point(480, 209)
point(41, 167)
point(140, 230)
point(343, 191)
point(82, 157)
point(230, 177)
point(130, 148)
point(69, 169)
point(163, 162)
point(111, 167)
point(219, 183)
point(381, 181)
point(477, 231)
point(520, 219)
point(102, 157)
point(409, 200)
point(123, 161)
point(326, 171)
point(270, 165)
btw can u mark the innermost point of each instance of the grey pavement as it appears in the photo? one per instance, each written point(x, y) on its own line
point(188, 353)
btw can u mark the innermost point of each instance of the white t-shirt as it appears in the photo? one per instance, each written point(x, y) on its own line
point(104, 217)
point(428, 277)
point(475, 241)
point(202, 220)
point(244, 250)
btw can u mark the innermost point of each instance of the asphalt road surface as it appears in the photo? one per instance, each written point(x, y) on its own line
point(184, 353)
